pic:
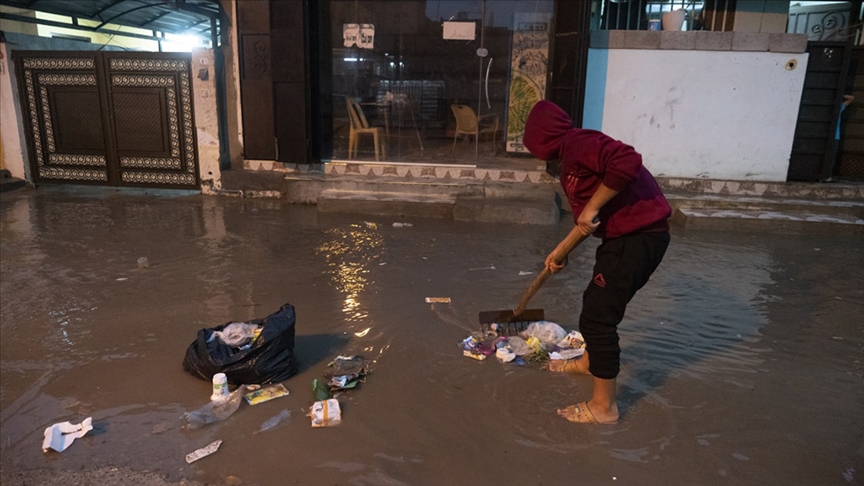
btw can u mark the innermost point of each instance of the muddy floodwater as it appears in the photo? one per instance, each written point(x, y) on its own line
point(743, 357)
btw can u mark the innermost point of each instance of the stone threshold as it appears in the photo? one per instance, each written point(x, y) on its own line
point(404, 171)
point(806, 190)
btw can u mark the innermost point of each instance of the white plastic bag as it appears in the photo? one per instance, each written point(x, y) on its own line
point(236, 334)
point(519, 346)
point(547, 332)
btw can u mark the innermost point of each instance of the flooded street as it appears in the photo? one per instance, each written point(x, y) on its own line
point(742, 363)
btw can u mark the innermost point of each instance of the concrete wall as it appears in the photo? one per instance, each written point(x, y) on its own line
point(206, 118)
point(11, 134)
point(699, 114)
point(232, 84)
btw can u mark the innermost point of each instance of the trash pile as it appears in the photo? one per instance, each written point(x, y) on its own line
point(347, 373)
point(248, 353)
point(540, 341)
point(250, 357)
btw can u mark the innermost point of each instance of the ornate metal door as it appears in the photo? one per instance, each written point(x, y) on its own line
point(109, 118)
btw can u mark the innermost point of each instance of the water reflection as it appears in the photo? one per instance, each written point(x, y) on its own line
point(349, 255)
point(363, 333)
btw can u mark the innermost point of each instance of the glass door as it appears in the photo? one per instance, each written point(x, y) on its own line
point(435, 81)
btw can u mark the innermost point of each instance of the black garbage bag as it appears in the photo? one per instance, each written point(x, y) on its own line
point(269, 358)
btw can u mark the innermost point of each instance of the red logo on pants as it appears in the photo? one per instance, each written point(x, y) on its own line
point(599, 280)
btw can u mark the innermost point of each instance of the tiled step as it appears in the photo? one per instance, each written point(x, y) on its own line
point(386, 203)
point(768, 204)
point(520, 208)
point(756, 220)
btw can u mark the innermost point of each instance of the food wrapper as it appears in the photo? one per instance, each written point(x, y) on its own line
point(266, 394)
point(203, 452)
point(325, 413)
point(437, 300)
point(567, 354)
point(572, 340)
point(535, 344)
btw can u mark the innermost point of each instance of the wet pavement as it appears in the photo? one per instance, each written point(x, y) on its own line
point(743, 358)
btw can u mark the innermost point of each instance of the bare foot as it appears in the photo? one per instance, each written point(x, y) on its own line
point(581, 414)
point(574, 366)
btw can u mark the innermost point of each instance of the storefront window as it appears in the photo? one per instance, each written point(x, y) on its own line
point(415, 75)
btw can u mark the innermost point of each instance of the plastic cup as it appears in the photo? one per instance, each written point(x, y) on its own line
point(220, 387)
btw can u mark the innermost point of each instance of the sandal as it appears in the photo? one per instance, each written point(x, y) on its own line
point(581, 414)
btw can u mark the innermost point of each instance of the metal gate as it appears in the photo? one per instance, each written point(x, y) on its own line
point(109, 118)
point(813, 148)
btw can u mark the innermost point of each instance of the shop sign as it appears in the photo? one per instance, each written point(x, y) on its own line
point(361, 35)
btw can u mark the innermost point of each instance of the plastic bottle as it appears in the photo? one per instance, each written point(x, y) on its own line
point(215, 411)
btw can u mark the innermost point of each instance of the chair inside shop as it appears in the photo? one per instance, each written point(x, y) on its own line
point(468, 124)
point(360, 126)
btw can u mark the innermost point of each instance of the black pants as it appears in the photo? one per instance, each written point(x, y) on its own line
point(623, 266)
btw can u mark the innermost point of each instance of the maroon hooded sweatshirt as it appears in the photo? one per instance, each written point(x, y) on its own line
point(589, 157)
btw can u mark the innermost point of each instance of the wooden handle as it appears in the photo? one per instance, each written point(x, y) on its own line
point(568, 245)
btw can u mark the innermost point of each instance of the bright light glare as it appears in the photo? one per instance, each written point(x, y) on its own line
point(182, 42)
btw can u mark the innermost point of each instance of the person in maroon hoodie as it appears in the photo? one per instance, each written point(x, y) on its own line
point(613, 197)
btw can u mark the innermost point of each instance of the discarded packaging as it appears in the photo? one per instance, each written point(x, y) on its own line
point(203, 452)
point(566, 353)
point(519, 346)
point(348, 365)
point(347, 372)
point(60, 436)
point(274, 421)
point(437, 300)
point(319, 390)
point(573, 339)
point(402, 225)
point(536, 346)
point(237, 334)
point(220, 387)
point(504, 355)
point(474, 355)
point(266, 394)
point(547, 332)
point(214, 411)
point(371, 225)
point(325, 413)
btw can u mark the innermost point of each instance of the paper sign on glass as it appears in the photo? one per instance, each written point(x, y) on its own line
point(459, 30)
point(361, 35)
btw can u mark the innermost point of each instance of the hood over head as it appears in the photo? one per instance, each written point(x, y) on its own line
point(545, 130)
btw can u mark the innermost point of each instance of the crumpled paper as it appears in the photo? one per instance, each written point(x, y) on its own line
point(60, 436)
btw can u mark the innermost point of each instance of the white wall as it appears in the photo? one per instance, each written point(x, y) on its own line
point(699, 114)
point(11, 131)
